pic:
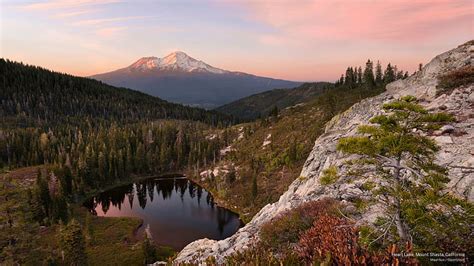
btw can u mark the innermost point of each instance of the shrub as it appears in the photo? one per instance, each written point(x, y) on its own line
point(454, 79)
point(285, 229)
point(329, 176)
point(258, 255)
point(360, 204)
point(442, 227)
point(369, 185)
point(334, 241)
point(164, 253)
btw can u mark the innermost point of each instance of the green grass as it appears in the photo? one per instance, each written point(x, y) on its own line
point(112, 241)
point(329, 176)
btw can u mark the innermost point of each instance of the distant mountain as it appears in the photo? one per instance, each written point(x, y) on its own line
point(33, 96)
point(260, 104)
point(180, 78)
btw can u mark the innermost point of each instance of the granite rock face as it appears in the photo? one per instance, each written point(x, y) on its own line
point(456, 142)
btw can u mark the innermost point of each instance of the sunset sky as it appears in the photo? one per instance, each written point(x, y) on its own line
point(295, 39)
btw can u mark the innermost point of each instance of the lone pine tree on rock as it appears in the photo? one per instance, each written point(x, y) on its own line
point(403, 156)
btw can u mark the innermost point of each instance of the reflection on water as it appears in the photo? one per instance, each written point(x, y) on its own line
point(176, 210)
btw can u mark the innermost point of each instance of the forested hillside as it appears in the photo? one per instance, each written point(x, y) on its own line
point(94, 133)
point(34, 96)
point(261, 104)
point(79, 136)
point(269, 153)
point(76, 136)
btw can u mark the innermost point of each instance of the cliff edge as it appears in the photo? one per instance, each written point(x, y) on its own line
point(455, 140)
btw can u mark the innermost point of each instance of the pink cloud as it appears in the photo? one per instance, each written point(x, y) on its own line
point(109, 31)
point(402, 20)
point(73, 14)
point(90, 22)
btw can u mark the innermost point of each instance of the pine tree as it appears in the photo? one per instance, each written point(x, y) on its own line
point(359, 76)
point(254, 186)
point(65, 180)
point(349, 82)
point(149, 251)
point(403, 157)
point(102, 165)
point(37, 207)
point(59, 209)
point(400, 74)
point(293, 151)
point(389, 75)
point(369, 79)
point(378, 74)
point(44, 197)
point(274, 111)
point(73, 244)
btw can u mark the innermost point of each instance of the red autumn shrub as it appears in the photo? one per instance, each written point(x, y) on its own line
point(455, 78)
point(285, 229)
point(334, 240)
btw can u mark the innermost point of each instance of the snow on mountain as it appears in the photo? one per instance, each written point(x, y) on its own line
point(180, 78)
point(176, 61)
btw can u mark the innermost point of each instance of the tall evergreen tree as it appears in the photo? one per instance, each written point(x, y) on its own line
point(73, 244)
point(149, 251)
point(389, 75)
point(378, 74)
point(369, 79)
point(359, 76)
point(44, 196)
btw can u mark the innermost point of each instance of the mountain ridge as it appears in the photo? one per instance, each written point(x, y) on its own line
point(43, 95)
point(183, 79)
point(175, 61)
point(260, 104)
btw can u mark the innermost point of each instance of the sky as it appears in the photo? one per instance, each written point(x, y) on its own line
point(298, 40)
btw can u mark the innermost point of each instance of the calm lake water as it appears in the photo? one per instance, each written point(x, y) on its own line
point(176, 211)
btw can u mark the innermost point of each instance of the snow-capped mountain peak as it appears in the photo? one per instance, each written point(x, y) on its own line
point(176, 61)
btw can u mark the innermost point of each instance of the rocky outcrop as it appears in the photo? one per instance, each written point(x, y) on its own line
point(456, 141)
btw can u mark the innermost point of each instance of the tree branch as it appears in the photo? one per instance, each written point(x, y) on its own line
point(411, 170)
point(384, 232)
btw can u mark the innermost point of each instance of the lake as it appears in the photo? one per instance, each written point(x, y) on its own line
point(175, 211)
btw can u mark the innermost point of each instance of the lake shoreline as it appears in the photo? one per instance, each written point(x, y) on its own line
point(183, 211)
point(80, 199)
